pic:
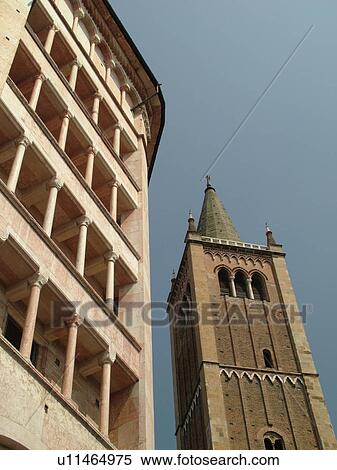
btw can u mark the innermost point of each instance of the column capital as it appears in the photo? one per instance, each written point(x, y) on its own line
point(111, 256)
point(53, 27)
point(125, 87)
point(55, 183)
point(118, 126)
point(83, 221)
point(98, 96)
point(110, 63)
point(249, 279)
point(79, 13)
point(92, 149)
point(4, 233)
point(95, 39)
point(108, 357)
point(115, 183)
point(41, 76)
point(67, 114)
point(232, 277)
point(38, 280)
point(23, 140)
point(74, 321)
point(76, 62)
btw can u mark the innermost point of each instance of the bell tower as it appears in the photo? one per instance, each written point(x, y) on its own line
point(244, 376)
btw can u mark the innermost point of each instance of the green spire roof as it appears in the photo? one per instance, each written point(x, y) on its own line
point(214, 220)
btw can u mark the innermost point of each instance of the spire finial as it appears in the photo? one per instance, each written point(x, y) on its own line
point(208, 180)
point(191, 224)
point(269, 234)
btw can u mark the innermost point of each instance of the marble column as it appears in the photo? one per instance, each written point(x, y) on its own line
point(109, 65)
point(75, 66)
point(78, 15)
point(50, 38)
point(64, 130)
point(232, 287)
point(116, 143)
point(34, 99)
point(124, 89)
point(89, 171)
point(69, 365)
point(114, 199)
point(95, 108)
point(104, 405)
point(83, 223)
point(35, 283)
point(55, 185)
point(95, 39)
point(249, 288)
point(21, 146)
point(111, 257)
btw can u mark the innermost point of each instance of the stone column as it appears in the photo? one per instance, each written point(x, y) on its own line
point(75, 66)
point(95, 39)
point(83, 223)
point(14, 174)
point(64, 130)
point(249, 288)
point(124, 89)
point(78, 15)
point(117, 139)
point(89, 171)
point(39, 79)
point(36, 283)
point(104, 405)
point(50, 38)
point(55, 185)
point(111, 257)
point(69, 365)
point(95, 108)
point(3, 301)
point(114, 199)
point(109, 65)
point(232, 287)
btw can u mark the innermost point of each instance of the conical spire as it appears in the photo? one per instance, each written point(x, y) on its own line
point(214, 220)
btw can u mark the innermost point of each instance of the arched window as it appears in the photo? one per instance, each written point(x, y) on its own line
point(240, 284)
point(259, 287)
point(268, 359)
point(224, 282)
point(273, 441)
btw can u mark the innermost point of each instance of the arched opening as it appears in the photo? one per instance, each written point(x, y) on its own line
point(273, 441)
point(224, 282)
point(268, 444)
point(240, 285)
point(268, 359)
point(6, 443)
point(259, 287)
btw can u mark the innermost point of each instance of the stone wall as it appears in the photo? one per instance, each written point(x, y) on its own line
point(36, 416)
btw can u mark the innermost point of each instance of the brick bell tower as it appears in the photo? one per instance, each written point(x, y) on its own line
point(244, 376)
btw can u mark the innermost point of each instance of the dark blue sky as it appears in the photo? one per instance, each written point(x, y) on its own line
point(214, 59)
